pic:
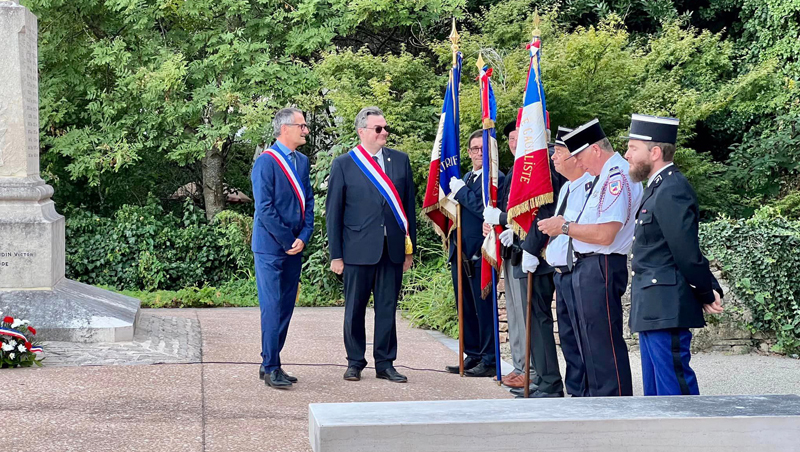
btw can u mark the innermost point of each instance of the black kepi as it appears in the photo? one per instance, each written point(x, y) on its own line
point(653, 128)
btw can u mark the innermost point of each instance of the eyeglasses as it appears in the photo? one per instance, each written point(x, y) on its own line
point(302, 126)
point(379, 129)
point(476, 149)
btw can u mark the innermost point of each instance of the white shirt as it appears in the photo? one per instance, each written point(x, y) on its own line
point(475, 175)
point(379, 155)
point(556, 252)
point(651, 178)
point(614, 199)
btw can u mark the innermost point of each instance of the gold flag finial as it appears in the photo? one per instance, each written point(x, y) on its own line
point(454, 36)
point(454, 40)
point(480, 63)
point(536, 20)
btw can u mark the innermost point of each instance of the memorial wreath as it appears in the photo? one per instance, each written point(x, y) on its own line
point(18, 347)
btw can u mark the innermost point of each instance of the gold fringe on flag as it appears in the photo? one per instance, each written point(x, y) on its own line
point(527, 206)
point(444, 235)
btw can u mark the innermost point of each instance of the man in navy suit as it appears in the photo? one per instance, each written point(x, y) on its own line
point(478, 317)
point(282, 226)
point(367, 242)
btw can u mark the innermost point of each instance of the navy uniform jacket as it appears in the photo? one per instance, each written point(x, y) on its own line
point(536, 241)
point(278, 221)
point(671, 279)
point(471, 200)
point(356, 212)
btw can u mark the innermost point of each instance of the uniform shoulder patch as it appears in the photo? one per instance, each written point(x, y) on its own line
point(615, 186)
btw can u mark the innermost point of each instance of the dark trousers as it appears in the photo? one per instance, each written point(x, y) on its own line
point(665, 362)
point(478, 317)
point(277, 278)
point(543, 342)
point(383, 281)
point(598, 282)
point(568, 332)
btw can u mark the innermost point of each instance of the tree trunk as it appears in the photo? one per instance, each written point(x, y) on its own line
point(213, 191)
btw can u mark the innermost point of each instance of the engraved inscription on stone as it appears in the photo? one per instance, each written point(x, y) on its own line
point(30, 91)
point(13, 255)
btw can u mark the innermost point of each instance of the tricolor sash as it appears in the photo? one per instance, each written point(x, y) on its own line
point(385, 187)
point(291, 174)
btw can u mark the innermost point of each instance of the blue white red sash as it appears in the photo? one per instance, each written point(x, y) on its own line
point(384, 185)
point(17, 335)
point(291, 174)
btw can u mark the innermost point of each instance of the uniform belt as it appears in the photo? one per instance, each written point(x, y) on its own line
point(561, 269)
point(585, 255)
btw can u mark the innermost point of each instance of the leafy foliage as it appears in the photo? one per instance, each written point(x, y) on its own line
point(759, 255)
point(146, 248)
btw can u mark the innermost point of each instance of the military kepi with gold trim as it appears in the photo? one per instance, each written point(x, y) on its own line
point(584, 136)
point(653, 128)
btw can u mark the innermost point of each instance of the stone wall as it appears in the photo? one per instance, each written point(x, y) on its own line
point(725, 333)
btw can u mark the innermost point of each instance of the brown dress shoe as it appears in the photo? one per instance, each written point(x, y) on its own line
point(514, 380)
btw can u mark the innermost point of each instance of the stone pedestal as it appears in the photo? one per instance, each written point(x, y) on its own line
point(32, 283)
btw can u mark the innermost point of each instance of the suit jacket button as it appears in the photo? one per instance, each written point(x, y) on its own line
point(655, 280)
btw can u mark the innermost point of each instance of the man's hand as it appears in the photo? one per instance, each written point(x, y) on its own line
point(529, 262)
point(507, 237)
point(337, 266)
point(491, 215)
point(551, 226)
point(715, 307)
point(487, 228)
point(297, 247)
point(456, 184)
point(408, 262)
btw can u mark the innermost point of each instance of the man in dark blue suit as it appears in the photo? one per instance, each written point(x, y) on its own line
point(478, 317)
point(282, 226)
point(672, 284)
point(371, 235)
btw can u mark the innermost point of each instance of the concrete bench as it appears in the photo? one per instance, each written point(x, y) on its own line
point(704, 423)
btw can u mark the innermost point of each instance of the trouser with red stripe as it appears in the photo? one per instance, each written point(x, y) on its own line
point(599, 280)
point(665, 362)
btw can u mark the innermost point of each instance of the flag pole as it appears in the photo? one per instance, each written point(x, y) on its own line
point(459, 261)
point(460, 293)
point(528, 338)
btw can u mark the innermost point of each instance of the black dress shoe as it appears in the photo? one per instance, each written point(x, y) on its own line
point(261, 373)
point(481, 370)
point(277, 380)
point(287, 376)
point(352, 374)
point(392, 374)
point(520, 392)
point(538, 394)
point(469, 363)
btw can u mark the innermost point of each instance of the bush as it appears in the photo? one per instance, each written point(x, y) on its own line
point(148, 248)
point(427, 298)
point(759, 257)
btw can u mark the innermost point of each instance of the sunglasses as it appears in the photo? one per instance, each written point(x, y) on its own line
point(379, 129)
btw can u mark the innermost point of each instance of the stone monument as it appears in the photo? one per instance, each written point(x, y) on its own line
point(32, 253)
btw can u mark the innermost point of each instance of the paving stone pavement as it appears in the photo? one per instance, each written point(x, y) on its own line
point(157, 339)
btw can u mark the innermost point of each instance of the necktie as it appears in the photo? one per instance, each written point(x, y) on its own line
point(570, 250)
point(375, 157)
point(293, 159)
point(383, 201)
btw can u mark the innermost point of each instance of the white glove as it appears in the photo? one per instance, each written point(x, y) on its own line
point(491, 215)
point(529, 262)
point(456, 184)
point(507, 237)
